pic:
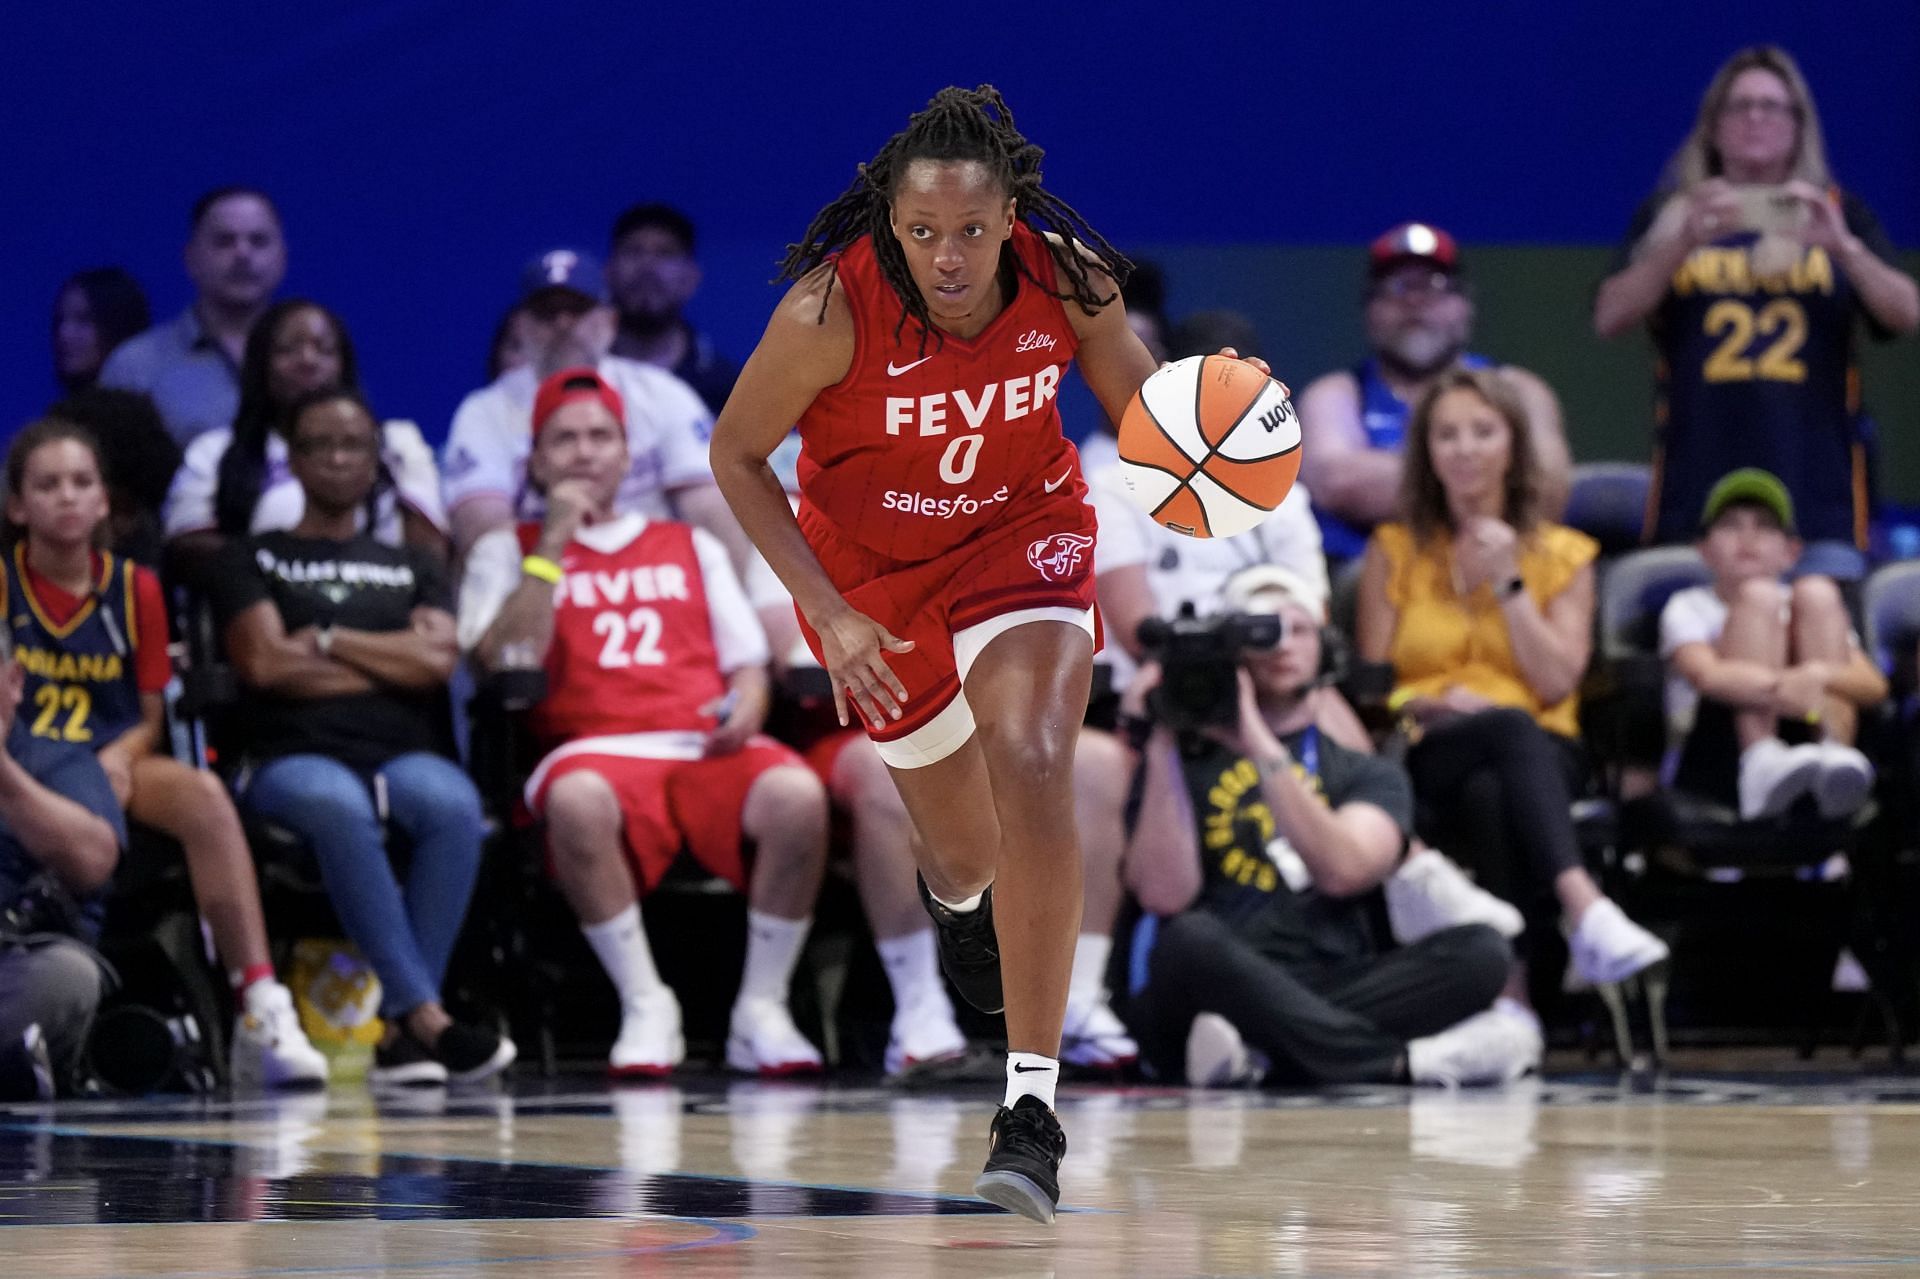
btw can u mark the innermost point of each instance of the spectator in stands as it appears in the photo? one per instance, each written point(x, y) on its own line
point(567, 325)
point(240, 481)
point(1750, 268)
point(1260, 847)
point(1752, 658)
point(139, 458)
point(236, 257)
point(1485, 612)
point(1419, 314)
point(652, 275)
point(90, 631)
point(1205, 332)
point(60, 837)
point(94, 313)
point(1145, 296)
point(345, 644)
point(657, 688)
point(511, 347)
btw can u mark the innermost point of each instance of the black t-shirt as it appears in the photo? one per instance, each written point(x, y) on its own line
point(1759, 371)
point(361, 584)
point(1243, 884)
point(709, 373)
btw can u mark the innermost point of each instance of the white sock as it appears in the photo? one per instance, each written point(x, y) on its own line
point(964, 905)
point(773, 948)
point(1031, 1075)
point(1090, 954)
point(621, 944)
point(912, 964)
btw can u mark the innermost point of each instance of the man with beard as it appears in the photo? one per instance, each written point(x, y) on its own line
point(1419, 318)
point(652, 275)
point(236, 257)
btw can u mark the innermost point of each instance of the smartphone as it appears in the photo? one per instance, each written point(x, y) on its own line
point(1770, 210)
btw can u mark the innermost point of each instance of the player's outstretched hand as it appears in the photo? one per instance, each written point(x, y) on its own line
point(853, 645)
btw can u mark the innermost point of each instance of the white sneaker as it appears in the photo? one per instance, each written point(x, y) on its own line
point(270, 1050)
point(1429, 893)
point(1608, 947)
point(1217, 1057)
point(1845, 781)
point(1096, 1038)
point(762, 1040)
point(924, 1031)
point(1774, 774)
point(650, 1045)
point(1494, 1047)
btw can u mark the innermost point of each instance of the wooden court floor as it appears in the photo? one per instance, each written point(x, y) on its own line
point(1695, 1174)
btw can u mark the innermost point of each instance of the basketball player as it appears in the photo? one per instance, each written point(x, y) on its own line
point(943, 540)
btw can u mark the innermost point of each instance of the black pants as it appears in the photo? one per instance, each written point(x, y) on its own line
point(1342, 1025)
point(1495, 791)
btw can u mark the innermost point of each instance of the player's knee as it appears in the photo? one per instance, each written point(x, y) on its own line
point(1816, 596)
point(1035, 755)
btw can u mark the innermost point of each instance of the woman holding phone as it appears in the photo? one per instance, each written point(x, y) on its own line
point(1750, 267)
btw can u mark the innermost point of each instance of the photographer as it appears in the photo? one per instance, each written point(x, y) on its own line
point(60, 836)
point(1260, 844)
point(1752, 270)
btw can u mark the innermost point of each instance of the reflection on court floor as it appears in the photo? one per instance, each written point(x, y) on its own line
point(1701, 1174)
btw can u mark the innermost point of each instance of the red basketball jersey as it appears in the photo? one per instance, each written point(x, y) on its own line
point(915, 451)
point(633, 648)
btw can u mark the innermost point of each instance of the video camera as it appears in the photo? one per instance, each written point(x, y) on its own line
point(1200, 663)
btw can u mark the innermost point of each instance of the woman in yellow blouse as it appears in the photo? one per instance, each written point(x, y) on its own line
point(1485, 613)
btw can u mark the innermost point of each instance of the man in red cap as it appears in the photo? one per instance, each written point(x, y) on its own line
point(1419, 317)
point(656, 690)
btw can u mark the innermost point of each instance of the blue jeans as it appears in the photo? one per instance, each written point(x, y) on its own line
point(407, 934)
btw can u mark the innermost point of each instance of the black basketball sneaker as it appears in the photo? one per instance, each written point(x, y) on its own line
point(1023, 1168)
point(969, 949)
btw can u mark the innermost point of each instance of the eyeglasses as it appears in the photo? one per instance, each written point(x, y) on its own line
point(1766, 108)
point(321, 445)
point(1407, 284)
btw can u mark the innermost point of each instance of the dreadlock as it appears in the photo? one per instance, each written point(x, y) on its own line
point(959, 124)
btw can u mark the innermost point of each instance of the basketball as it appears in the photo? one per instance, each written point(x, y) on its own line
point(1210, 446)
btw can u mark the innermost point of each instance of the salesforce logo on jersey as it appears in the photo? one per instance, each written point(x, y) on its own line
point(944, 508)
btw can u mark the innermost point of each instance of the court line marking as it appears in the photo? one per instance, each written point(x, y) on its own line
point(928, 1196)
point(724, 1235)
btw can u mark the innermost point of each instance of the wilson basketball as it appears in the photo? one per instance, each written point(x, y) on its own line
point(1209, 446)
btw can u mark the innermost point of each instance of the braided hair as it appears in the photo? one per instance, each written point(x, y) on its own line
point(958, 125)
point(243, 467)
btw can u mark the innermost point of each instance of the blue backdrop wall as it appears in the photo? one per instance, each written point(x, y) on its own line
point(423, 149)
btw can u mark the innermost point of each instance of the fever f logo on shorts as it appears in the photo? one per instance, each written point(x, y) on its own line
point(1058, 557)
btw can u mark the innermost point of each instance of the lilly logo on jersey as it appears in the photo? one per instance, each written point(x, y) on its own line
point(1034, 340)
point(1059, 557)
point(1017, 397)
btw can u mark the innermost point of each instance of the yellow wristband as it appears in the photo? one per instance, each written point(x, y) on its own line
point(543, 568)
point(1398, 701)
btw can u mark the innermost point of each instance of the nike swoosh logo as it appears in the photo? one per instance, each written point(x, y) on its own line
point(895, 370)
point(1023, 1070)
point(1051, 485)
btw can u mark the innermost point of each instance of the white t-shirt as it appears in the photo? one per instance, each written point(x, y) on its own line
point(1182, 569)
point(493, 572)
point(1697, 615)
point(190, 500)
point(668, 427)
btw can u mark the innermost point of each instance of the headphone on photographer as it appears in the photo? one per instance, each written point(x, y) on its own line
point(1336, 653)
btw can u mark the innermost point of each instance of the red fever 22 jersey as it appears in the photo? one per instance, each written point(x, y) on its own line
point(633, 646)
point(916, 451)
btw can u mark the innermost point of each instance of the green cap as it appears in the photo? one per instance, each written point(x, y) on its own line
point(1749, 484)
